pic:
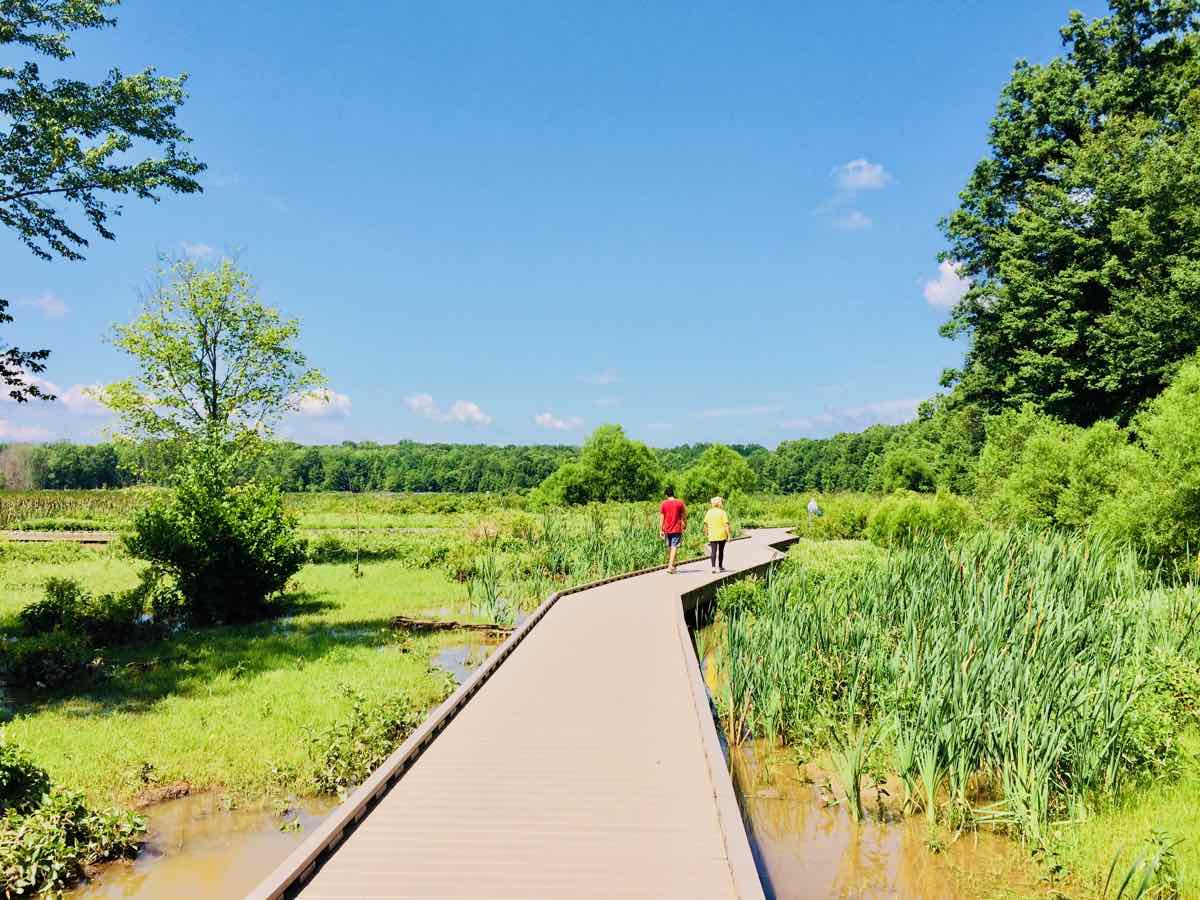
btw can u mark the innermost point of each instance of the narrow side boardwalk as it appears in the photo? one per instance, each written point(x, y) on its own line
point(584, 767)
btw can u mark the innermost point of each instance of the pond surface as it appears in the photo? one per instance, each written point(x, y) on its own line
point(199, 848)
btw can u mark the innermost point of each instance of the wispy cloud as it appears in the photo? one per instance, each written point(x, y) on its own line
point(948, 288)
point(324, 403)
point(856, 418)
point(48, 304)
point(196, 251)
point(861, 175)
point(851, 220)
point(462, 411)
point(608, 376)
point(726, 411)
point(850, 179)
point(551, 421)
point(81, 399)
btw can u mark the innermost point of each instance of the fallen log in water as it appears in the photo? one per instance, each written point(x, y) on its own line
point(444, 625)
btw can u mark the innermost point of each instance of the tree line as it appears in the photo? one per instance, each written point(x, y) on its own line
point(843, 462)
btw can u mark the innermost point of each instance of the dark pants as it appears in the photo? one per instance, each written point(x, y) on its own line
point(716, 549)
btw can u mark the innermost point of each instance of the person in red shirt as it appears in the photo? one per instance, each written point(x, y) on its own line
point(673, 522)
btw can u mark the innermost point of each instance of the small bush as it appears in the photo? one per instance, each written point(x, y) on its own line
point(49, 848)
point(743, 596)
point(22, 782)
point(902, 518)
point(345, 754)
point(45, 660)
point(229, 548)
point(905, 469)
point(61, 608)
point(105, 619)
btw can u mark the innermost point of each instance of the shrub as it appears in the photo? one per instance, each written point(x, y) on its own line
point(45, 660)
point(61, 608)
point(50, 847)
point(22, 782)
point(903, 518)
point(228, 547)
point(345, 754)
point(1157, 505)
point(844, 517)
point(743, 596)
point(103, 619)
point(905, 469)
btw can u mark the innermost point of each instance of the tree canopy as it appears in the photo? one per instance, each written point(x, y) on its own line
point(1081, 231)
point(212, 360)
point(67, 144)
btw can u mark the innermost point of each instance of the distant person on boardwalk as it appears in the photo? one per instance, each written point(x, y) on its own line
point(716, 529)
point(813, 510)
point(673, 522)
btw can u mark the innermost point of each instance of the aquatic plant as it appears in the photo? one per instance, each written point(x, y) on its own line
point(1007, 661)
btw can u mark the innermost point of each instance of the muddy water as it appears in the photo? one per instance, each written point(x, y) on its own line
point(198, 848)
point(805, 847)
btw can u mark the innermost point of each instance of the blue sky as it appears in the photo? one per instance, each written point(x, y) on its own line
point(513, 222)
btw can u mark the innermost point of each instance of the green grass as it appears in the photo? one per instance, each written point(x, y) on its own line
point(1171, 806)
point(232, 707)
point(24, 569)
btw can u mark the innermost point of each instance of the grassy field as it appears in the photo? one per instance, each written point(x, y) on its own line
point(236, 708)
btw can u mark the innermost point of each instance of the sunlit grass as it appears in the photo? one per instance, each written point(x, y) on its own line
point(232, 707)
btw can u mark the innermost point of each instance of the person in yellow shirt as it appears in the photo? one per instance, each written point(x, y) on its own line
point(716, 529)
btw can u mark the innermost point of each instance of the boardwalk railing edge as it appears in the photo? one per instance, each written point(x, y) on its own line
point(746, 882)
point(290, 876)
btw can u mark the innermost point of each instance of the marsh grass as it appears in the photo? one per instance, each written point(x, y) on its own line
point(1005, 666)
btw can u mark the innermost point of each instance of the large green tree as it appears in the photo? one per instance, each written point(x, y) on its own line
point(69, 145)
point(1081, 231)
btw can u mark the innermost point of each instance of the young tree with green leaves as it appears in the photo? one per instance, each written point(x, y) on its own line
point(66, 145)
point(212, 360)
point(216, 369)
point(1080, 233)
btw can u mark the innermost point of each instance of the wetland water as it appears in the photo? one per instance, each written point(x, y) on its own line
point(807, 847)
point(197, 847)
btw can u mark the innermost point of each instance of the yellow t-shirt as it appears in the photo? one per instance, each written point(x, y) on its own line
point(716, 523)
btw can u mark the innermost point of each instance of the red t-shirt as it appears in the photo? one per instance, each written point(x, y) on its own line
point(672, 515)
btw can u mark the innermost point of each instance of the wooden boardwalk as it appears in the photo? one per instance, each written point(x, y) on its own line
point(586, 764)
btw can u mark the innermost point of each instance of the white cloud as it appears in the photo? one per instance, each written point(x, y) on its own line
point(608, 376)
point(860, 175)
point(549, 420)
point(948, 288)
point(852, 220)
point(723, 412)
point(884, 412)
point(11, 432)
point(324, 404)
point(48, 304)
point(196, 251)
point(81, 400)
point(463, 411)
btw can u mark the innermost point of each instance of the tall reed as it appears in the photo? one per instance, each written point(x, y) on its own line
point(1009, 659)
